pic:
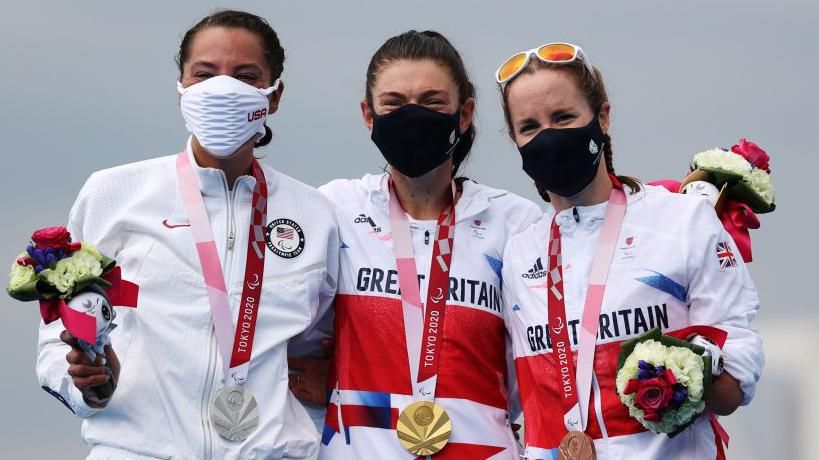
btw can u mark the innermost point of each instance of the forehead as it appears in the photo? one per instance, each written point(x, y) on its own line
point(405, 75)
point(543, 91)
point(222, 45)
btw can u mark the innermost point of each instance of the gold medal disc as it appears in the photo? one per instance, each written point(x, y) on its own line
point(423, 428)
point(576, 445)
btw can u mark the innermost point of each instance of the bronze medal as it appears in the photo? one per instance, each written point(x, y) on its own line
point(423, 428)
point(576, 445)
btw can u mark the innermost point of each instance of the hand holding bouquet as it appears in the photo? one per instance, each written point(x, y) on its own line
point(73, 282)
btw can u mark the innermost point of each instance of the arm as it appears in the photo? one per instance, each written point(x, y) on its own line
point(63, 370)
point(722, 294)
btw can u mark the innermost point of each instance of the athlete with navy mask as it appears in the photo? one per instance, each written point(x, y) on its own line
point(421, 348)
point(668, 261)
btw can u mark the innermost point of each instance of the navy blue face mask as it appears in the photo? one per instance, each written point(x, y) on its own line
point(414, 139)
point(564, 161)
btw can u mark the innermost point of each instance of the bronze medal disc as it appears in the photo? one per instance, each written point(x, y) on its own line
point(576, 445)
point(423, 428)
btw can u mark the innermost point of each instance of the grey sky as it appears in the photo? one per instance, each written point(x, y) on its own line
point(87, 85)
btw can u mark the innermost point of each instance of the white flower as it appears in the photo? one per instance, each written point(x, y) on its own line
point(21, 275)
point(68, 271)
point(722, 160)
point(760, 181)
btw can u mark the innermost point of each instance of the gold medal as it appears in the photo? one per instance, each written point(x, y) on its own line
point(576, 445)
point(424, 428)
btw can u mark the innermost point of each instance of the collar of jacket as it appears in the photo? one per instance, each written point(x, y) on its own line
point(213, 181)
point(474, 199)
point(588, 217)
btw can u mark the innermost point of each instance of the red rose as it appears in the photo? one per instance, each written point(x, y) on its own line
point(52, 237)
point(755, 155)
point(654, 395)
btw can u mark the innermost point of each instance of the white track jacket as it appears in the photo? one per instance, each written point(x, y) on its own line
point(674, 266)
point(167, 348)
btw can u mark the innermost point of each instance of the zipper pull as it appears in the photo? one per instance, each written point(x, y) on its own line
point(231, 238)
point(426, 237)
point(576, 215)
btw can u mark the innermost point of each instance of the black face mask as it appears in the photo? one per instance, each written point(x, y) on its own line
point(415, 140)
point(564, 160)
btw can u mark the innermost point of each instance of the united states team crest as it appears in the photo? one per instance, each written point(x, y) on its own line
point(285, 238)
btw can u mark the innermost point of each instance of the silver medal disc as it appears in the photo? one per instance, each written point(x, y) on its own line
point(234, 413)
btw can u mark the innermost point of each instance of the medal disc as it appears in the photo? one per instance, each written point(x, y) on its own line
point(423, 428)
point(234, 413)
point(576, 445)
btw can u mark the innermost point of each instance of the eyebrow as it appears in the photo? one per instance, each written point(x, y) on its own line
point(238, 68)
point(425, 94)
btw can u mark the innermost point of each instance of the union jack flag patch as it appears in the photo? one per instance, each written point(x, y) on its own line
point(725, 256)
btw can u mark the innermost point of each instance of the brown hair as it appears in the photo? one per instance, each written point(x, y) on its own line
point(258, 26)
point(592, 86)
point(414, 45)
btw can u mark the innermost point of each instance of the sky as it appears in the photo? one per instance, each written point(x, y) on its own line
point(89, 85)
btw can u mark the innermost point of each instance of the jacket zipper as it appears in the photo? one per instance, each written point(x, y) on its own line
point(230, 198)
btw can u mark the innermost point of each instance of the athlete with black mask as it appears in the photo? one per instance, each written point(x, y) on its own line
point(421, 348)
point(610, 260)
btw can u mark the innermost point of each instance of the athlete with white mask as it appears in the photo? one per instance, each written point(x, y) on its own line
point(237, 267)
point(610, 260)
point(421, 349)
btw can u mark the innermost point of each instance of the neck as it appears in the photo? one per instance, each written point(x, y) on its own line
point(236, 165)
point(425, 197)
point(598, 191)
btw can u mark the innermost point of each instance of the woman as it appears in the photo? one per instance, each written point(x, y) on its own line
point(211, 215)
point(664, 270)
point(396, 230)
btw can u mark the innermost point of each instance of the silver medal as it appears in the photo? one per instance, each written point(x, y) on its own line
point(234, 413)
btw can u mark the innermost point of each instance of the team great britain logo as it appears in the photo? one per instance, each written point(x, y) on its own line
point(285, 238)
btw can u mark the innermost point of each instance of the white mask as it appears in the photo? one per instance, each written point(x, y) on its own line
point(224, 113)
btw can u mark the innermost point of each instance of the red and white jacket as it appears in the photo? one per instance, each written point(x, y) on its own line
point(372, 369)
point(674, 266)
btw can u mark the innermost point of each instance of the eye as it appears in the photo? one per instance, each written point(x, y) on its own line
point(526, 128)
point(202, 75)
point(247, 78)
point(391, 103)
point(563, 118)
point(106, 312)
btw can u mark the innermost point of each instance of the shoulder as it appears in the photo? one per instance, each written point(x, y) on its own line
point(515, 209)
point(129, 175)
point(346, 192)
point(673, 210)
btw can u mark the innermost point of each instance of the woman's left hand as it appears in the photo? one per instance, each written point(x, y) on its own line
point(725, 396)
point(308, 379)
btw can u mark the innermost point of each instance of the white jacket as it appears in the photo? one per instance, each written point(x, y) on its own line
point(674, 266)
point(167, 348)
point(372, 369)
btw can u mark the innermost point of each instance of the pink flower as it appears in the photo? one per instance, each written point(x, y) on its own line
point(755, 155)
point(51, 237)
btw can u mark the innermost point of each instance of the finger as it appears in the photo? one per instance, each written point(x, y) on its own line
point(113, 360)
point(296, 364)
point(69, 339)
point(77, 356)
point(82, 370)
point(328, 345)
point(84, 383)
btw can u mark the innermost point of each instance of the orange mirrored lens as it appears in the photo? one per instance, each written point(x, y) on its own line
point(512, 65)
point(557, 52)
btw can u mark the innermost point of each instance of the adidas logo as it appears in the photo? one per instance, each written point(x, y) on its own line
point(364, 219)
point(536, 272)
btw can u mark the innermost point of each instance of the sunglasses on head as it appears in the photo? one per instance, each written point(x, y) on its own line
point(553, 53)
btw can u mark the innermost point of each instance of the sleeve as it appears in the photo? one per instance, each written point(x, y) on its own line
point(722, 294)
point(508, 299)
point(308, 343)
point(51, 364)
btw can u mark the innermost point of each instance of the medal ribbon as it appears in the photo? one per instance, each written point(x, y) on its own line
point(423, 330)
point(237, 359)
point(576, 388)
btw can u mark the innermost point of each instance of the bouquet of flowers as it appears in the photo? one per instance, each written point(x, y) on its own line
point(73, 282)
point(663, 381)
point(737, 181)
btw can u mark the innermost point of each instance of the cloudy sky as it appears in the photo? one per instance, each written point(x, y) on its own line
point(88, 85)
